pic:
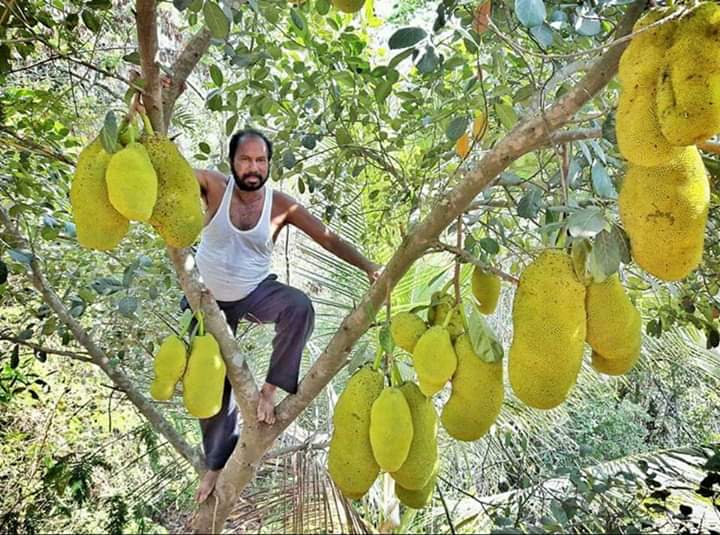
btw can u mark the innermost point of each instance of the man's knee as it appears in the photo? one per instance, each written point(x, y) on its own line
point(300, 306)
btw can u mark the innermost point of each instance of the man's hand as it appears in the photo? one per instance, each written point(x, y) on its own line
point(374, 271)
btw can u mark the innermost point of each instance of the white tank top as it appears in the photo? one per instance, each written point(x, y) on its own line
point(232, 262)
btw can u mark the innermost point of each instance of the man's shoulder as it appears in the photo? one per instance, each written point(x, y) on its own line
point(211, 176)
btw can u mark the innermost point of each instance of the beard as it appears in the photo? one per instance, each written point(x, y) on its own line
point(243, 184)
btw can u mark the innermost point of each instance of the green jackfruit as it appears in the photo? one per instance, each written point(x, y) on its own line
point(204, 378)
point(549, 331)
point(613, 366)
point(486, 289)
point(688, 97)
point(434, 360)
point(417, 469)
point(351, 462)
point(477, 394)
point(440, 304)
point(664, 211)
point(391, 429)
point(97, 224)
point(348, 6)
point(132, 183)
point(406, 329)
point(169, 367)
point(613, 323)
point(417, 499)
point(640, 138)
point(177, 215)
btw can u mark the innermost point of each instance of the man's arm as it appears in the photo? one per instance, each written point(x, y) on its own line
point(208, 181)
point(301, 217)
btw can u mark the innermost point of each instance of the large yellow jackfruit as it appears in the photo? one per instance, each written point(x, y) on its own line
point(640, 138)
point(417, 469)
point(477, 394)
point(391, 429)
point(348, 6)
point(613, 323)
point(351, 462)
point(613, 366)
point(169, 367)
point(204, 378)
point(486, 289)
point(434, 360)
point(132, 183)
point(177, 215)
point(417, 499)
point(440, 305)
point(664, 211)
point(97, 224)
point(549, 331)
point(406, 329)
point(688, 97)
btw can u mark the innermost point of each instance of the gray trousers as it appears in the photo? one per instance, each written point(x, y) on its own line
point(293, 315)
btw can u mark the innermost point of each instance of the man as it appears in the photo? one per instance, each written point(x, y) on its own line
point(243, 218)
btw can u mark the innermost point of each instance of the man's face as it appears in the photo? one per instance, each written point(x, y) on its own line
point(250, 165)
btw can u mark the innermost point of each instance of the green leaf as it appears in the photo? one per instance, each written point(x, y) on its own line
point(23, 257)
point(309, 141)
point(587, 222)
point(216, 75)
point(530, 12)
point(109, 133)
point(15, 357)
point(490, 245)
point(579, 253)
point(483, 339)
point(185, 319)
point(127, 305)
point(385, 338)
point(429, 62)
point(182, 5)
point(3, 272)
point(544, 35)
point(91, 20)
point(132, 57)
point(106, 285)
point(322, 7)
point(456, 128)
point(506, 114)
point(608, 128)
point(399, 57)
point(529, 205)
point(605, 257)
point(602, 184)
point(99, 4)
point(230, 125)
point(406, 37)
point(288, 159)
point(587, 22)
point(216, 21)
point(343, 137)
point(204, 147)
point(215, 102)
point(298, 20)
point(623, 244)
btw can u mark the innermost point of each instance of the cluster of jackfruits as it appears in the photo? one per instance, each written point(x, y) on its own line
point(392, 429)
point(146, 180)
point(553, 315)
point(670, 100)
point(202, 374)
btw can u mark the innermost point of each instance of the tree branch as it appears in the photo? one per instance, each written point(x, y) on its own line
point(567, 136)
point(712, 147)
point(72, 354)
point(26, 144)
point(99, 357)
point(146, 21)
point(470, 259)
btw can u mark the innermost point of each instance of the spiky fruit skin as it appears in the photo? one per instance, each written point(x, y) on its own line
point(477, 394)
point(417, 469)
point(440, 304)
point(132, 183)
point(204, 378)
point(664, 211)
point(391, 429)
point(177, 215)
point(406, 329)
point(549, 331)
point(169, 366)
point(486, 289)
point(640, 138)
point(97, 224)
point(348, 6)
point(688, 97)
point(434, 360)
point(417, 499)
point(613, 323)
point(351, 462)
point(613, 366)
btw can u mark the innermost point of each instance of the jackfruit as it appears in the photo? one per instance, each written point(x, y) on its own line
point(688, 97)
point(351, 462)
point(406, 329)
point(477, 394)
point(177, 215)
point(169, 367)
point(549, 331)
point(664, 210)
point(613, 323)
point(417, 469)
point(97, 224)
point(462, 146)
point(348, 6)
point(132, 183)
point(204, 378)
point(434, 360)
point(486, 289)
point(391, 429)
point(613, 366)
point(417, 499)
point(639, 136)
point(440, 304)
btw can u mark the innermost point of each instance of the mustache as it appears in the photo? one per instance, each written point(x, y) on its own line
point(248, 175)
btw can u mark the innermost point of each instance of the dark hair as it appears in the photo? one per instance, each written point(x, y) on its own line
point(248, 132)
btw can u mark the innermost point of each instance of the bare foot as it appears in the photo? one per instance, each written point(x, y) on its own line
point(266, 404)
point(207, 485)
